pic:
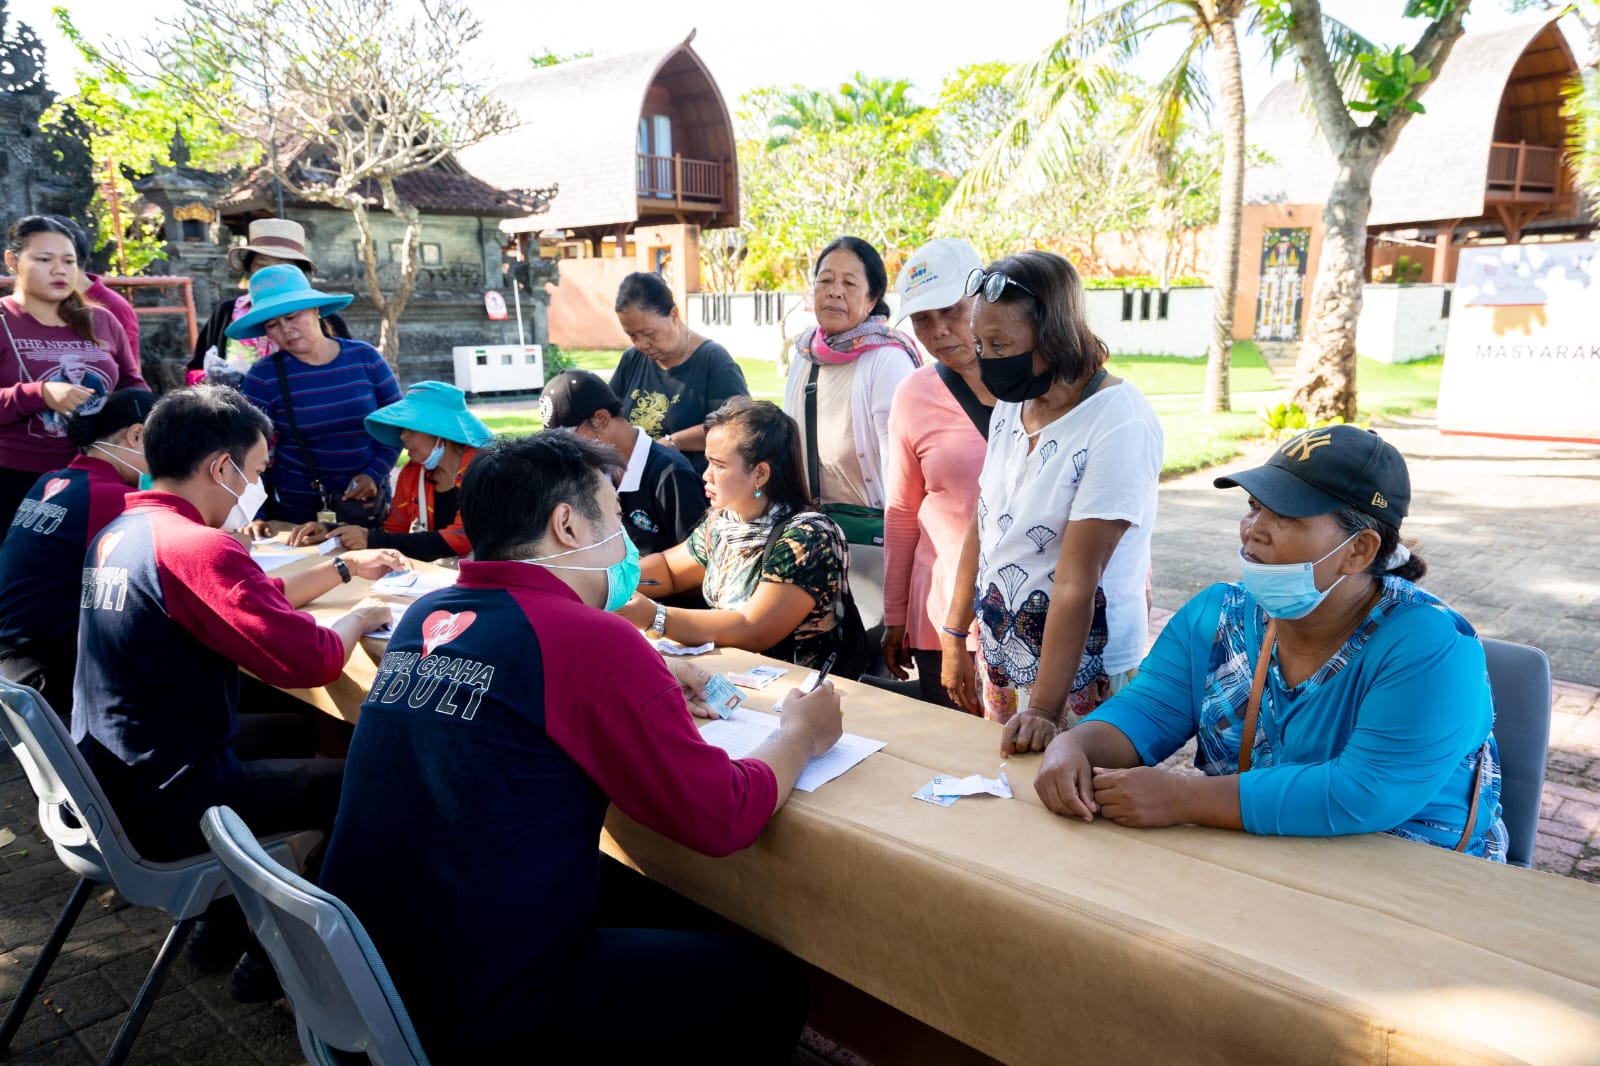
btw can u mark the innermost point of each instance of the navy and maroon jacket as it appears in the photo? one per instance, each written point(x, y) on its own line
point(505, 716)
point(41, 562)
point(171, 609)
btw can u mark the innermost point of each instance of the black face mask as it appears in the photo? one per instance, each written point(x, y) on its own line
point(1011, 378)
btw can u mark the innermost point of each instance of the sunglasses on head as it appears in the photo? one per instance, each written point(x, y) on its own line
point(992, 285)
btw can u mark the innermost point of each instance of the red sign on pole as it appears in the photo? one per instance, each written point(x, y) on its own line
point(495, 304)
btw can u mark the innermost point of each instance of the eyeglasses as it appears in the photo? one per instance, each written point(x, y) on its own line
point(992, 285)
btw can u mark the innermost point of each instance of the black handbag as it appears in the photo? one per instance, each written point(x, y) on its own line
point(369, 513)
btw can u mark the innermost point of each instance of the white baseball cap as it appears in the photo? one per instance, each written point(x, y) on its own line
point(935, 276)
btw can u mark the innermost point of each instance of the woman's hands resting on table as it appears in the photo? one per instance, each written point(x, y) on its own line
point(1068, 781)
point(306, 534)
point(1028, 731)
point(309, 533)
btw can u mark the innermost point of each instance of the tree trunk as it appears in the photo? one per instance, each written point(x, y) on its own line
point(1225, 257)
point(369, 263)
point(1325, 374)
point(389, 329)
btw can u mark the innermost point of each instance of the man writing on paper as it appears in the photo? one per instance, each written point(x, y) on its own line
point(507, 713)
point(172, 608)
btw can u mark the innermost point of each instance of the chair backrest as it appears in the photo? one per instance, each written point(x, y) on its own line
point(330, 970)
point(72, 810)
point(75, 814)
point(1520, 678)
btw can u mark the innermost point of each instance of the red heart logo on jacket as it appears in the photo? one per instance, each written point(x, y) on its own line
point(53, 486)
point(107, 545)
point(441, 627)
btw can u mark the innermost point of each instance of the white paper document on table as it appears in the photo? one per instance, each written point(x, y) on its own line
point(747, 730)
point(270, 555)
point(412, 582)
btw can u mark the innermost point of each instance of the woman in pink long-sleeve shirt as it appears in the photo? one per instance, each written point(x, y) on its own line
point(59, 356)
point(935, 454)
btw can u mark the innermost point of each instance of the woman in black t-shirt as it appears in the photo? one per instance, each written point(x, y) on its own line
point(672, 377)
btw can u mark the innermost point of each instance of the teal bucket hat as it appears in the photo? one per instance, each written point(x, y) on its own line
point(277, 291)
point(430, 407)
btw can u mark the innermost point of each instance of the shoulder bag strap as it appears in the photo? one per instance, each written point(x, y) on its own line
point(1258, 684)
point(968, 399)
point(813, 462)
point(294, 428)
point(1477, 798)
point(22, 368)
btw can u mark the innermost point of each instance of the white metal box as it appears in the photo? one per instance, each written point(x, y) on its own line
point(499, 367)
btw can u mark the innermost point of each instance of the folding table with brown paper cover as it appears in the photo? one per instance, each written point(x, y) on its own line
point(1040, 939)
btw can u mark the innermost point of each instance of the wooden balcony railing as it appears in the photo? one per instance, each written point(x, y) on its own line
point(1523, 171)
point(672, 177)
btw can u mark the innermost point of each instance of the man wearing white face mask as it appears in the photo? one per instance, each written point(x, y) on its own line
point(172, 607)
point(1329, 694)
point(41, 562)
point(510, 710)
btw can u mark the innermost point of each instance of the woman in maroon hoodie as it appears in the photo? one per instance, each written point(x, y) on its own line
point(59, 356)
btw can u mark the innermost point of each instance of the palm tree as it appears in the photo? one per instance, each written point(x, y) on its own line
point(861, 101)
point(1105, 35)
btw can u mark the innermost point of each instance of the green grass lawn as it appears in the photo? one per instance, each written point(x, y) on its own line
point(1173, 385)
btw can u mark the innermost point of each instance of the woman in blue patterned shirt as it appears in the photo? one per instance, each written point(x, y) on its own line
point(1328, 693)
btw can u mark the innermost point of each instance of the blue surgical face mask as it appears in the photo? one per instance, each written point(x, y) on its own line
point(432, 461)
point(1286, 590)
point(622, 576)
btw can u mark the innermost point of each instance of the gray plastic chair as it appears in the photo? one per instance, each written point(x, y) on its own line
point(90, 841)
point(1520, 678)
point(342, 996)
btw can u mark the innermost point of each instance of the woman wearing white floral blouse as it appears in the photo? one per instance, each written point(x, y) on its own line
point(1053, 569)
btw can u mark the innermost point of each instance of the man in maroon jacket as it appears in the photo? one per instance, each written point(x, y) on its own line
point(508, 712)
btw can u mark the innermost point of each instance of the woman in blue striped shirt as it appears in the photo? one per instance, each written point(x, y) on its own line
point(318, 391)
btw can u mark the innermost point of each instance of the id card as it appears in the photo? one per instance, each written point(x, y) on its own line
point(327, 518)
point(722, 697)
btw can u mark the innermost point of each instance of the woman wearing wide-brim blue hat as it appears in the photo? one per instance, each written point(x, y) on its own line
point(278, 291)
point(318, 390)
point(441, 436)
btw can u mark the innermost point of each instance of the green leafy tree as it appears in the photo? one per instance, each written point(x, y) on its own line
point(132, 126)
point(357, 94)
point(1076, 71)
point(1388, 88)
point(814, 165)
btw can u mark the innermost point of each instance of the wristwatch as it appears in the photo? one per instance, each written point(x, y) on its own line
point(658, 627)
point(343, 568)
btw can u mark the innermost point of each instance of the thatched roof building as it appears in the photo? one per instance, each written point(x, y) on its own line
point(1486, 156)
point(641, 138)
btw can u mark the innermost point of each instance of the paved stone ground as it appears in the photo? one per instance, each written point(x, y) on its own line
point(1511, 531)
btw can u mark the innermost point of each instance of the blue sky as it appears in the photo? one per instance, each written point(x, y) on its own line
point(747, 45)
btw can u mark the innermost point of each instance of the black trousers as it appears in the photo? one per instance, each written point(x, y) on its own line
point(659, 979)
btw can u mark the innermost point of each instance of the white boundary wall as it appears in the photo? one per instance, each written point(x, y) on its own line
point(752, 325)
point(1400, 323)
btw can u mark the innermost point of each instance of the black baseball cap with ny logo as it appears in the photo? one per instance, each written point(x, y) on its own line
point(1328, 469)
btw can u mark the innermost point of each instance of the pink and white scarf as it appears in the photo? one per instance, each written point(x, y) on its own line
point(848, 346)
